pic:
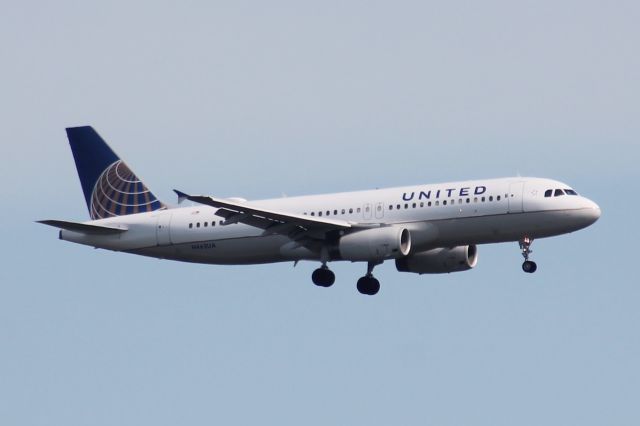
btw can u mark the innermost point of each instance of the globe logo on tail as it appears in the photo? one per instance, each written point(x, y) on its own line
point(119, 192)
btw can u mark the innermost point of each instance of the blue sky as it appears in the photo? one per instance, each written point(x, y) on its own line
point(259, 100)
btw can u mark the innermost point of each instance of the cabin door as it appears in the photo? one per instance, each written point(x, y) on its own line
point(162, 228)
point(515, 197)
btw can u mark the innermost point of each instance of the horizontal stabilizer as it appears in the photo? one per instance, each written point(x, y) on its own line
point(84, 228)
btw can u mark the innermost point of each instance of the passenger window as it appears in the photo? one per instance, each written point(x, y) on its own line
point(221, 222)
point(190, 225)
point(213, 223)
point(437, 203)
point(468, 200)
point(548, 192)
point(444, 203)
point(429, 204)
point(483, 199)
point(498, 198)
point(313, 213)
point(558, 193)
point(319, 213)
point(398, 206)
point(421, 203)
point(406, 206)
point(198, 225)
point(414, 205)
point(475, 199)
point(328, 212)
point(350, 210)
point(335, 212)
point(358, 210)
point(390, 207)
point(490, 197)
point(342, 211)
point(453, 201)
point(206, 224)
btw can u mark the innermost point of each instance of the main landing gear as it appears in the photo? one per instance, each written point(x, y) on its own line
point(528, 266)
point(324, 277)
point(368, 284)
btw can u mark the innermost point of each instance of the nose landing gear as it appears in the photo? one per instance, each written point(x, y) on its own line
point(528, 266)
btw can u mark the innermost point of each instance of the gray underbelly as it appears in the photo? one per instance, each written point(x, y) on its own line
point(233, 251)
point(503, 228)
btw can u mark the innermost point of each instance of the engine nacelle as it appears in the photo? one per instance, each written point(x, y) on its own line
point(389, 242)
point(441, 260)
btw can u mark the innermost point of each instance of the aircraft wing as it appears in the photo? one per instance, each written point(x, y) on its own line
point(273, 222)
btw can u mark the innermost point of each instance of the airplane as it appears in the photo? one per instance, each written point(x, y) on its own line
point(425, 229)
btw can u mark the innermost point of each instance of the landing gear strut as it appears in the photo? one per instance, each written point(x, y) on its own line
point(323, 276)
point(368, 284)
point(528, 266)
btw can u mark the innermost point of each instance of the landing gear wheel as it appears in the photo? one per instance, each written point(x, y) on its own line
point(368, 285)
point(323, 277)
point(529, 266)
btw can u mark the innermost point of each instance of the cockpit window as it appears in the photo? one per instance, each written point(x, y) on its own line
point(558, 192)
point(548, 192)
point(570, 192)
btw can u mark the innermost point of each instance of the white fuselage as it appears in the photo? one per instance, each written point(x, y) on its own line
point(439, 215)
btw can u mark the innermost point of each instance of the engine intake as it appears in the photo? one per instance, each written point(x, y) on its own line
point(374, 244)
point(440, 260)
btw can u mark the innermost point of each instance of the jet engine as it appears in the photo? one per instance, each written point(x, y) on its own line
point(375, 244)
point(440, 260)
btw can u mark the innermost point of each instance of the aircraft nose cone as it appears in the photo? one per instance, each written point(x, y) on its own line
point(592, 212)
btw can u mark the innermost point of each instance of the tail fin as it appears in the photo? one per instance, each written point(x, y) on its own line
point(110, 187)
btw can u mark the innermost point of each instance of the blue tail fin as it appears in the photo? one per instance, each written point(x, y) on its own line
point(110, 187)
